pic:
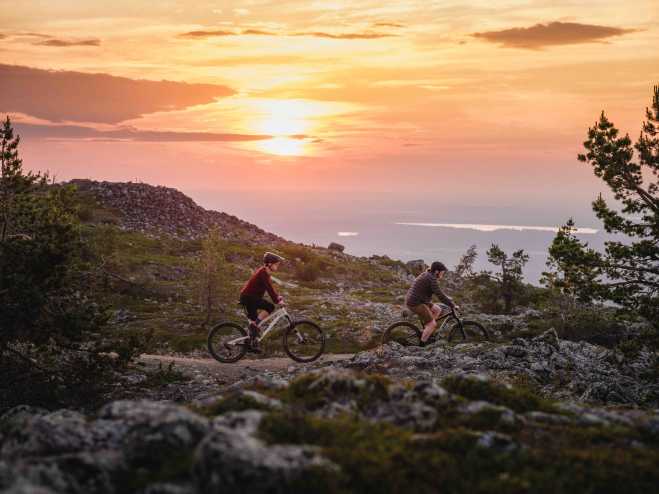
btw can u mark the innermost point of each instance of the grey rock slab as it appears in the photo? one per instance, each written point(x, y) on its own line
point(23, 486)
point(497, 441)
point(231, 459)
point(63, 431)
point(156, 429)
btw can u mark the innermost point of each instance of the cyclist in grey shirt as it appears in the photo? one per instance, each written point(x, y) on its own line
point(419, 298)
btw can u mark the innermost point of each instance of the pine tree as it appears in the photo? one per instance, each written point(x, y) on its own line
point(465, 266)
point(211, 273)
point(510, 276)
point(39, 256)
point(627, 272)
point(15, 185)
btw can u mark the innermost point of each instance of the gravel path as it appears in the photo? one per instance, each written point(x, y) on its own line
point(230, 373)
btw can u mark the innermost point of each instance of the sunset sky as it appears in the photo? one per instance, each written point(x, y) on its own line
point(482, 102)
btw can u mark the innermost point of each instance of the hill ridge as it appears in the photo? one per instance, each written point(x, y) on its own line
point(156, 210)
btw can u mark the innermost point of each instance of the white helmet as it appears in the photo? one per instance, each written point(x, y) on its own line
point(271, 258)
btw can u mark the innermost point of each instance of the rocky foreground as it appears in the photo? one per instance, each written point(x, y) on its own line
point(444, 418)
point(579, 372)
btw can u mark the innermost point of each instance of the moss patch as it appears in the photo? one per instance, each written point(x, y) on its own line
point(235, 402)
point(517, 398)
point(312, 391)
point(385, 459)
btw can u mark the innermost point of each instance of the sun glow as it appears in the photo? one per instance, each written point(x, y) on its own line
point(287, 121)
point(283, 146)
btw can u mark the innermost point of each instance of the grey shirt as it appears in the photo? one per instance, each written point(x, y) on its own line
point(422, 290)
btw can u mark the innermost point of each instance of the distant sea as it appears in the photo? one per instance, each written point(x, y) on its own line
point(406, 231)
point(446, 243)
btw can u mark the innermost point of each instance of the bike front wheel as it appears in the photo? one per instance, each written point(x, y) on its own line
point(227, 342)
point(304, 341)
point(460, 331)
point(403, 333)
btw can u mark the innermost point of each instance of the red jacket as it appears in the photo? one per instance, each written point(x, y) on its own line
point(258, 284)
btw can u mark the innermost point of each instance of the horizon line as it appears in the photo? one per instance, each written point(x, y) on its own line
point(494, 228)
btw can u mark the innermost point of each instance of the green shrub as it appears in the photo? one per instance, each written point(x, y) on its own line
point(309, 270)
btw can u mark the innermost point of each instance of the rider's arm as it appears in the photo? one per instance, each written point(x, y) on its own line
point(271, 289)
point(440, 294)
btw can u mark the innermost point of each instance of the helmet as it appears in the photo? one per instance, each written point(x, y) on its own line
point(271, 258)
point(437, 266)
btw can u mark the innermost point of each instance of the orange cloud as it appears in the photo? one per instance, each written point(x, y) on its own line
point(388, 24)
point(81, 97)
point(206, 34)
point(551, 34)
point(260, 32)
point(364, 35)
point(62, 43)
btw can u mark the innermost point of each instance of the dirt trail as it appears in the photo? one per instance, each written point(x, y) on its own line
point(229, 373)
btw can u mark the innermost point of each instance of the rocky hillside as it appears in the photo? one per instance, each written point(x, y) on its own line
point(150, 242)
point(161, 210)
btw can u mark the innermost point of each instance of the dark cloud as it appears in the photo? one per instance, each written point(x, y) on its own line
point(79, 132)
point(388, 24)
point(63, 43)
point(206, 34)
point(82, 97)
point(554, 33)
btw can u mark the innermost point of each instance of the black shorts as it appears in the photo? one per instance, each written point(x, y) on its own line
point(253, 304)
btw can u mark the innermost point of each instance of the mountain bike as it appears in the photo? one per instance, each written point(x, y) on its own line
point(450, 324)
point(303, 340)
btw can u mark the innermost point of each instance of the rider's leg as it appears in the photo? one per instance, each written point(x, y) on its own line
point(427, 320)
point(436, 311)
point(428, 330)
point(262, 309)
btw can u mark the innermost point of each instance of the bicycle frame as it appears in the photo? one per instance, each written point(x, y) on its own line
point(272, 320)
point(444, 319)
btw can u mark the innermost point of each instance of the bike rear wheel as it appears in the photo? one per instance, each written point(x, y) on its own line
point(403, 333)
point(304, 341)
point(460, 331)
point(227, 342)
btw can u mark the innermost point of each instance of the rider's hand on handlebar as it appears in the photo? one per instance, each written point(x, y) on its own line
point(281, 301)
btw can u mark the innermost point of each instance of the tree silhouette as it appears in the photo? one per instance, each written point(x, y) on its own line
point(627, 272)
point(510, 277)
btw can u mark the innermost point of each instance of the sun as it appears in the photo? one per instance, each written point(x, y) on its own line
point(288, 122)
point(283, 146)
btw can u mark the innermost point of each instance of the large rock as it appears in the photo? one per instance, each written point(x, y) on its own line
point(77, 473)
point(22, 486)
point(336, 247)
point(156, 431)
point(232, 460)
point(416, 267)
point(63, 431)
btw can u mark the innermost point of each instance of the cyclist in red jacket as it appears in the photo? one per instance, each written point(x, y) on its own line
point(251, 296)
